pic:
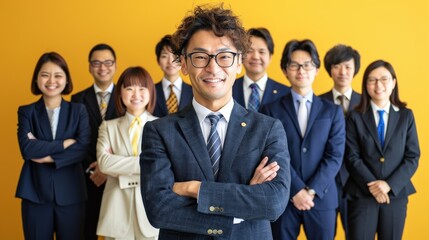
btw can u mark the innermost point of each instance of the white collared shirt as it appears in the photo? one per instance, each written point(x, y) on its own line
point(53, 119)
point(386, 110)
point(109, 90)
point(262, 83)
point(347, 94)
point(177, 88)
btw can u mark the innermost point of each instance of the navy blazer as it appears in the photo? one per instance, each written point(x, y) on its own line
point(61, 181)
point(174, 151)
point(89, 98)
point(395, 163)
point(273, 91)
point(316, 158)
point(343, 174)
point(161, 109)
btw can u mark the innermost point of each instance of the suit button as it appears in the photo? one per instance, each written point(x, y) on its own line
point(216, 209)
point(129, 184)
point(214, 231)
point(210, 231)
point(221, 209)
point(304, 150)
point(211, 209)
point(382, 159)
point(219, 231)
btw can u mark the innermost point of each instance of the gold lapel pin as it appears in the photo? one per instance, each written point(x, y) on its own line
point(243, 124)
point(275, 91)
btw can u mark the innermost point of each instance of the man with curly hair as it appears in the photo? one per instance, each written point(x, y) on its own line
point(201, 168)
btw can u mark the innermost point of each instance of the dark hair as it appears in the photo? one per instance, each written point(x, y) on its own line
point(364, 104)
point(220, 21)
point(100, 47)
point(164, 42)
point(265, 35)
point(56, 59)
point(134, 76)
point(304, 45)
point(341, 53)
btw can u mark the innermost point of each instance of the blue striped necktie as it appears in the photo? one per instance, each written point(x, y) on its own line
point(380, 128)
point(254, 101)
point(213, 143)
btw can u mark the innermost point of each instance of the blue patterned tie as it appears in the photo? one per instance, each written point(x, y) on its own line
point(214, 143)
point(254, 98)
point(380, 128)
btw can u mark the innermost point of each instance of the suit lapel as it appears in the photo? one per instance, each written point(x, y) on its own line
point(63, 120)
point(111, 111)
point(92, 106)
point(391, 125)
point(45, 126)
point(161, 104)
point(288, 105)
point(369, 121)
point(123, 129)
point(316, 106)
point(234, 134)
point(237, 91)
point(185, 96)
point(354, 101)
point(192, 133)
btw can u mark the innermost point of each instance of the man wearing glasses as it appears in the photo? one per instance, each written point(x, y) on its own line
point(316, 137)
point(202, 173)
point(99, 102)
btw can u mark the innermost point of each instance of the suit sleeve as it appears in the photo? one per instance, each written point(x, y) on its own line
point(34, 148)
point(403, 173)
point(111, 163)
point(256, 202)
point(77, 151)
point(332, 156)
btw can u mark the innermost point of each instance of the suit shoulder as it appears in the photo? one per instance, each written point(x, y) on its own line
point(326, 95)
point(79, 95)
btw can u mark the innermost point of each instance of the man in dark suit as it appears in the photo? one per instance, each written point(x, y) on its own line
point(256, 62)
point(182, 92)
point(194, 190)
point(99, 101)
point(342, 63)
point(315, 133)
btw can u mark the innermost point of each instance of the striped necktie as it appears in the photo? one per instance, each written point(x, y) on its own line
point(214, 143)
point(103, 103)
point(254, 101)
point(172, 101)
point(136, 126)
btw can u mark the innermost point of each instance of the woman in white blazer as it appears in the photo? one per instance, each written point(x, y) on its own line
point(122, 214)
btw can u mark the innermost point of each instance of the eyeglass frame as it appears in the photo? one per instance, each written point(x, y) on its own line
point(311, 63)
point(382, 80)
point(214, 56)
point(99, 63)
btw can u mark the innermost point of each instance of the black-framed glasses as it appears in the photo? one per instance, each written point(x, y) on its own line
point(202, 59)
point(373, 80)
point(307, 66)
point(107, 63)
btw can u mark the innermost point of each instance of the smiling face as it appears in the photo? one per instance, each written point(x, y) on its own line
point(380, 85)
point(257, 59)
point(51, 80)
point(168, 65)
point(135, 99)
point(103, 75)
point(343, 74)
point(301, 80)
point(212, 85)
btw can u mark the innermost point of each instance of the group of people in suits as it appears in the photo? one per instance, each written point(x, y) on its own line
point(228, 158)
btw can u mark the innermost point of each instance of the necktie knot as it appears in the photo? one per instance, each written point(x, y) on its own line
point(214, 118)
point(380, 113)
point(136, 120)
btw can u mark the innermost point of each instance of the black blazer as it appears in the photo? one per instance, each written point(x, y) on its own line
point(395, 163)
point(61, 181)
point(273, 91)
point(161, 105)
point(343, 174)
point(89, 99)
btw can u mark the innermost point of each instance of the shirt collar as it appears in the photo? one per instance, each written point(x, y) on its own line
point(260, 82)
point(131, 117)
point(109, 89)
point(386, 108)
point(348, 93)
point(177, 84)
point(297, 97)
point(202, 111)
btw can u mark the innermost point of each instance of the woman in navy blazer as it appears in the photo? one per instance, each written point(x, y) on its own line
point(53, 136)
point(380, 160)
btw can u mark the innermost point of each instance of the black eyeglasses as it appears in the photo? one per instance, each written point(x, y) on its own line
point(202, 59)
point(107, 63)
point(373, 80)
point(307, 66)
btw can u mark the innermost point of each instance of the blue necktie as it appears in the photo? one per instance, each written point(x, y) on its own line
point(254, 98)
point(214, 143)
point(380, 128)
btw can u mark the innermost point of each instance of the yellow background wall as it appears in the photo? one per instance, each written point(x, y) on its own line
point(394, 30)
